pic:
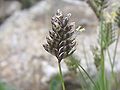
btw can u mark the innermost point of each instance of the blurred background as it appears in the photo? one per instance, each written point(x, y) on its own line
point(24, 25)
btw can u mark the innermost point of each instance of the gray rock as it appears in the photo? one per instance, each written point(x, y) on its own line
point(7, 8)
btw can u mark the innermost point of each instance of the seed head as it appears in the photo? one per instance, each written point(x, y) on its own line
point(61, 42)
point(117, 19)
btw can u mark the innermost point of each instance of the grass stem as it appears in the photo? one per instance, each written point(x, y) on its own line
point(103, 70)
point(61, 77)
point(113, 73)
point(115, 51)
point(88, 76)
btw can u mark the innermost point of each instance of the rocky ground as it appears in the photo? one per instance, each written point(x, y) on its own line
point(23, 61)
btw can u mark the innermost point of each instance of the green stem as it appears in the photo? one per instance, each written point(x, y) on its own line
point(110, 59)
point(88, 76)
point(61, 77)
point(103, 69)
point(115, 51)
point(83, 77)
point(113, 73)
point(114, 56)
point(103, 84)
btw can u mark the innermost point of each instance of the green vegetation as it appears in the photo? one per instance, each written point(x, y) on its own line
point(27, 3)
point(4, 86)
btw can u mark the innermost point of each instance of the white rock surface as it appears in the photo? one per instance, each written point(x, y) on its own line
point(7, 8)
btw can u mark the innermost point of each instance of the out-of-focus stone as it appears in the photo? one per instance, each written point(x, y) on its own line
point(7, 8)
point(21, 51)
point(13, 7)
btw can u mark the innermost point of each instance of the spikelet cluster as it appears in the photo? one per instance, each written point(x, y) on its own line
point(107, 35)
point(98, 6)
point(61, 42)
point(117, 19)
